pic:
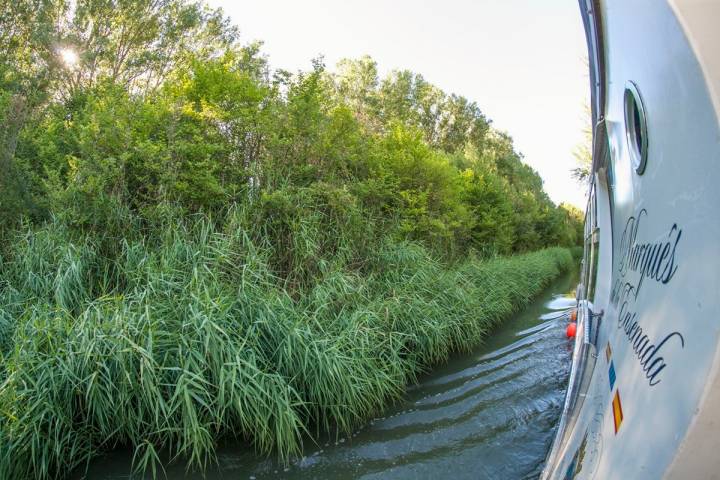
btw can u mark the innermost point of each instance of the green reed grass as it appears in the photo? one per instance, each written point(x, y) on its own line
point(204, 330)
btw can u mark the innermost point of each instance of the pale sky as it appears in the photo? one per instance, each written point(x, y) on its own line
point(522, 61)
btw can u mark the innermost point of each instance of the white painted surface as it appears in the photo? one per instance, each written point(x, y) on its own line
point(670, 420)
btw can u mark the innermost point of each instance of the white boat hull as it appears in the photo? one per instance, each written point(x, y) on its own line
point(644, 399)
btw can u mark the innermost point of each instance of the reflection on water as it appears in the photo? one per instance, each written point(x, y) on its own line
point(490, 414)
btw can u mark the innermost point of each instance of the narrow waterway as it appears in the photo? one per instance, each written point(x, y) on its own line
point(489, 414)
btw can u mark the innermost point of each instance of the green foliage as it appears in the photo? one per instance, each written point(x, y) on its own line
point(191, 248)
point(424, 189)
point(218, 133)
point(583, 153)
point(573, 218)
point(491, 209)
point(310, 230)
point(188, 334)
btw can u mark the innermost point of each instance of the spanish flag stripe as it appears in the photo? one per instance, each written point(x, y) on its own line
point(617, 411)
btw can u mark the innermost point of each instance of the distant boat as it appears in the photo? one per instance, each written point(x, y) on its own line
point(644, 393)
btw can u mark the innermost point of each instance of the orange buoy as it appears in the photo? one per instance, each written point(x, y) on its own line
point(571, 329)
point(573, 315)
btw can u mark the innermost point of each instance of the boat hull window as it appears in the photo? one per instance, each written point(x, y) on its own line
point(636, 127)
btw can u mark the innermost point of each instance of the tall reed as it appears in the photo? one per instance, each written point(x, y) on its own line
point(198, 331)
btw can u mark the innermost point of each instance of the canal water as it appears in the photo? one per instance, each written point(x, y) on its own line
point(489, 414)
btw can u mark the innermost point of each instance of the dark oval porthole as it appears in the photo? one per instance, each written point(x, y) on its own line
point(636, 127)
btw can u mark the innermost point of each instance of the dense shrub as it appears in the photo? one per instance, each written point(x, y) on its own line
point(219, 132)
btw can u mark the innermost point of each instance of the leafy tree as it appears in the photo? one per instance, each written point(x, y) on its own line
point(138, 43)
point(162, 106)
point(583, 154)
point(356, 83)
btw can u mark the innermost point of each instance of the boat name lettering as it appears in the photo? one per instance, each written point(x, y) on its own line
point(647, 351)
point(656, 261)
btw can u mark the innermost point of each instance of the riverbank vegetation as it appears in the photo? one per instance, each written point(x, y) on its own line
point(194, 246)
point(198, 339)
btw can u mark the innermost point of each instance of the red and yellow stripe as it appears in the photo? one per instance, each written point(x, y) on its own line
point(617, 411)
